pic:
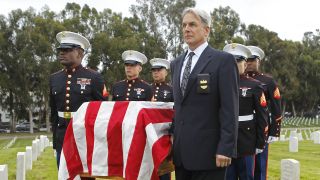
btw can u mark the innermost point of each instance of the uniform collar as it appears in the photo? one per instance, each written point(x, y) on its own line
point(253, 73)
point(72, 70)
point(132, 80)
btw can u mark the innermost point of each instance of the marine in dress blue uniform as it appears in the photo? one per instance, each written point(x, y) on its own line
point(71, 86)
point(162, 92)
point(132, 88)
point(273, 98)
point(253, 126)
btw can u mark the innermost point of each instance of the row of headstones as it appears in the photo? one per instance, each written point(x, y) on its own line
point(296, 121)
point(25, 159)
point(314, 136)
point(294, 139)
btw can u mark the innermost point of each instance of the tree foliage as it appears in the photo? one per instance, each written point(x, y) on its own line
point(28, 50)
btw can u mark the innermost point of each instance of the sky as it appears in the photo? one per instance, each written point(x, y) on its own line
point(289, 18)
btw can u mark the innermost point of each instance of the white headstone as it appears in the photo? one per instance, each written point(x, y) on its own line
point(4, 172)
point(312, 136)
point(290, 169)
point(293, 133)
point(47, 143)
point(38, 147)
point(316, 137)
point(282, 138)
point(42, 138)
point(21, 166)
point(34, 150)
point(300, 138)
point(293, 144)
point(51, 144)
point(28, 157)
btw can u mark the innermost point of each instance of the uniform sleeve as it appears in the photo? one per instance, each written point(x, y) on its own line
point(228, 82)
point(261, 117)
point(275, 109)
point(53, 115)
point(149, 93)
point(112, 92)
point(98, 88)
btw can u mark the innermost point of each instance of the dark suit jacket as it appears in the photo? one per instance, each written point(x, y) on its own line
point(205, 122)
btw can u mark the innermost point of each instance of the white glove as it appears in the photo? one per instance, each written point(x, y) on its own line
point(259, 151)
point(272, 139)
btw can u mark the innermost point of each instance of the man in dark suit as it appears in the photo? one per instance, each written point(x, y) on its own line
point(205, 88)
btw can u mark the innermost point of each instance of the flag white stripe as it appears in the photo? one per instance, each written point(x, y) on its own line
point(63, 172)
point(128, 128)
point(147, 166)
point(100, 150)
point(79, 132)
point(154, 133)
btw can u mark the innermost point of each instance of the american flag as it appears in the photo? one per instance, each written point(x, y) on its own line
point(125, 139)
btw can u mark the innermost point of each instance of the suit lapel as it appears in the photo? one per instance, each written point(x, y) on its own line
point(177, 75)
point(203, 60)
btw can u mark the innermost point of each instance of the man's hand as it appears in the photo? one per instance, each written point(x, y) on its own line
point(272, 139)
point(222, 161)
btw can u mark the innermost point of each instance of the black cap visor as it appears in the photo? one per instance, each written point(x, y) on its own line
point(239, 58)
point(68, 46)
point(131, 62)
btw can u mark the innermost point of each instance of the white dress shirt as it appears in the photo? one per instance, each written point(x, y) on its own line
point(198, 51)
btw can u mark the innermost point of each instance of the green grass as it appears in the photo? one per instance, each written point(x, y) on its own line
point(4, 142)
point(308, 156)
point(45, 167)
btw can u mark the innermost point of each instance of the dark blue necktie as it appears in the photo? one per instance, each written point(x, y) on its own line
point(186, 73)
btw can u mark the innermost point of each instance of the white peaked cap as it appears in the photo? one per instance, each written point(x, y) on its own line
point(159, 62)
point(132, 57)
point(237, 50)
point(68, 39)
point(256, 51)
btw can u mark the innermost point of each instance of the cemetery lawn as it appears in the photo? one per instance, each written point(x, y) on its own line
point(308, 156)
point(45, 167)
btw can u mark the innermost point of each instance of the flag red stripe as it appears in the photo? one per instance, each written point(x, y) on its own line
point(136, 149)
point(71, 153)
point(90, 119)
point(135, 154)
point(114, 138)
point(160, 150)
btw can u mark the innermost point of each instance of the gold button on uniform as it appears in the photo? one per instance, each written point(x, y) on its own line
point(68, 95)
point(67, 101)
point(127, 99)
point(128, 94)
point(69, 76)
point(67, 108)
point(68, 88)
point(129, 85)
point(69, 82)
